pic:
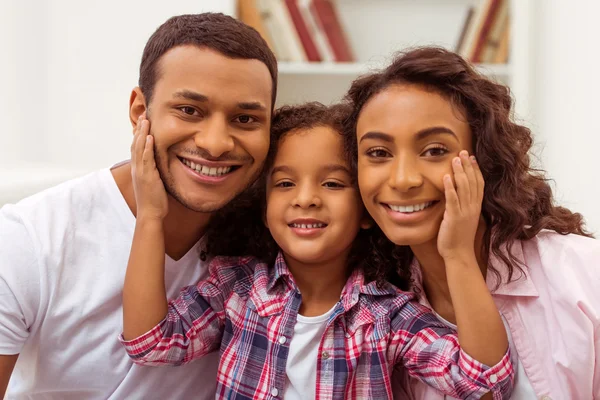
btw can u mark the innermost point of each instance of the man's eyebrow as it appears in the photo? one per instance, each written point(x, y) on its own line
point(252, 106)
point(190, 95)
point(435, 130)
point(374, 135)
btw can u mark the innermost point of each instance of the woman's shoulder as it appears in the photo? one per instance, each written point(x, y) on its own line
point(570, 262)
point(576, 249)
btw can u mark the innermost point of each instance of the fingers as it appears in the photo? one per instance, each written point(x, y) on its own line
point(467, 165)
point(148, 155)
point(468, 179)
point(463, 188)
point(479, 178)
point(452, 203)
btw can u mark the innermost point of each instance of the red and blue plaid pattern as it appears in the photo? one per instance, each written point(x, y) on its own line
point(248, 310)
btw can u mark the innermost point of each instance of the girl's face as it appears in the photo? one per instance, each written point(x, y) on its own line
point(407, 137)
point(313, 211)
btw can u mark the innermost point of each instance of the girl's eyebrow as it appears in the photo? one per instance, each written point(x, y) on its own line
point(328, 168)
point(336, 167)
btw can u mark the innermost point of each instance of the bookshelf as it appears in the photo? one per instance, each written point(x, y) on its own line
point(376, 29)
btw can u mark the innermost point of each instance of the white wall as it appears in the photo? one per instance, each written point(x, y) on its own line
point(66, 72)
point(567, 101)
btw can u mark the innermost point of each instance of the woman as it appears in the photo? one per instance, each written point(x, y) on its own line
point(410, 123)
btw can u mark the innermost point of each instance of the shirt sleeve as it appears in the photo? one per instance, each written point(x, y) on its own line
point(195, 320)
point(19, 282)
point(430, 351)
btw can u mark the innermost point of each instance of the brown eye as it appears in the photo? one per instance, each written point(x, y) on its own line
point(435, 152)
point(245, 119)
point(378, 153)
point(188, 110)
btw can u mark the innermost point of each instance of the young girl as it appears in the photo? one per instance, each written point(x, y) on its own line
point(309, 313)
point(410, 122)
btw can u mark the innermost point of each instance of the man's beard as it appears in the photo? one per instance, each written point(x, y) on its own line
point(171, 188)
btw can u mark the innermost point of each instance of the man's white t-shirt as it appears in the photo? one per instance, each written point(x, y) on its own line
point(63, 257)
point(301, 368)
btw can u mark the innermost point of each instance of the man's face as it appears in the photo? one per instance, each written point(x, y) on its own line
point(210, 117)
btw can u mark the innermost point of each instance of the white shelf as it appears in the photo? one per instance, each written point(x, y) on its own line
point(355, 69)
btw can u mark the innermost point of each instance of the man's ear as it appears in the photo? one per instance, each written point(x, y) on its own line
point(137, 105)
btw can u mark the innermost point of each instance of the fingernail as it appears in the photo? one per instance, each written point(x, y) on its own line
point(147, 138)
point(457, 161)
point(473, 159)
point(464, 153)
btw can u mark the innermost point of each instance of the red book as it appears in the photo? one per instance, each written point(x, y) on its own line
point(312, 53)
point(324, 13)
point(485, 30)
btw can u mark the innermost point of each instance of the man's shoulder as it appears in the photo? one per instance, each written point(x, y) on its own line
point(62, 200)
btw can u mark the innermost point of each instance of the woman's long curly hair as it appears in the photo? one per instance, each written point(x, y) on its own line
point(518, 201)
point(239, 229)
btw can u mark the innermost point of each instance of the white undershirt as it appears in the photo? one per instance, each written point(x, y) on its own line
point(522, 389)
point(301, 368)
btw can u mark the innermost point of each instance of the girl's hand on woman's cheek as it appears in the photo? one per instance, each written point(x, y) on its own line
point(464, 196)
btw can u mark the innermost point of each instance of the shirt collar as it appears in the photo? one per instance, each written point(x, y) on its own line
point(521, 285)
point(281, 284)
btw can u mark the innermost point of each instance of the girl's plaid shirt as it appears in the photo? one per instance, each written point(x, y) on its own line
point(248, 310)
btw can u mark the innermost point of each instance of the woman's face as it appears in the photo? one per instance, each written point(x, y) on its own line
point(407, 137)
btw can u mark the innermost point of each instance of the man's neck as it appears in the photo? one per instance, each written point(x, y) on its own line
point(183, 227)
point(320, 284)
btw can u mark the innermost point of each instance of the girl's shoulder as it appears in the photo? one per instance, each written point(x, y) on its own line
point(235, 273)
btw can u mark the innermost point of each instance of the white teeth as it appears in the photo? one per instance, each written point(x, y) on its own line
point(411, 208)
point(204, 170)
point(308, 226)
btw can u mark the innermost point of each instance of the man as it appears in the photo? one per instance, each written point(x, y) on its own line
point(207, 85)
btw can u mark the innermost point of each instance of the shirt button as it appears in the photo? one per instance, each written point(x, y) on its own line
point(325, 355)
point(274, 392)
point(281, 339)
point(493, 378)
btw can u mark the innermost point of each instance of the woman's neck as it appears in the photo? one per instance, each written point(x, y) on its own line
point(433, 271)
point(320, 284)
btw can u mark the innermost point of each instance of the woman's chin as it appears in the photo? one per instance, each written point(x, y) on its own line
point(410, 237)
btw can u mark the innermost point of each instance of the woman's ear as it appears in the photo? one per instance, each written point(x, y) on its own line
point(366, 223)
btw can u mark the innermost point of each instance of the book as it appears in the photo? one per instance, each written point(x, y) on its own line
point(502, 55)
point(494, 36)
point(465, 28)
point(325, 14)
point(310, 48)
point(484, 32)
point(249, 13)
point(315, 31)
point(473, 30)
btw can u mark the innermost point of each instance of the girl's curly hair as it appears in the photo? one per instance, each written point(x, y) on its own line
point(518, 201)
point(239, 229)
